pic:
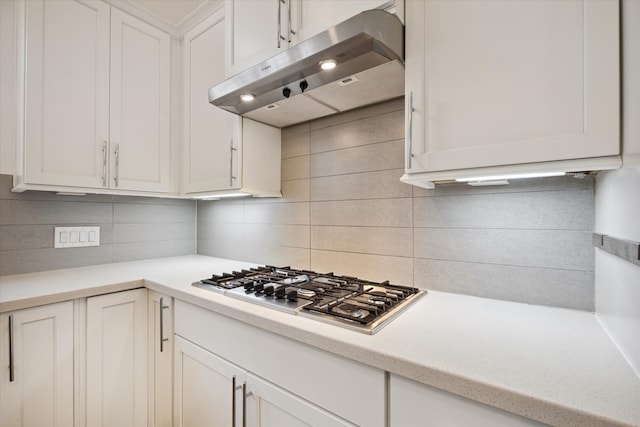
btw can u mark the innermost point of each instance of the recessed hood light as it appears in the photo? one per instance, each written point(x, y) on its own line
point(328, 64)
point(247, 97)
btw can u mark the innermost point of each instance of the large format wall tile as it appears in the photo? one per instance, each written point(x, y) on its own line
point(369, 185)
point(131, 228)
point(532, 285)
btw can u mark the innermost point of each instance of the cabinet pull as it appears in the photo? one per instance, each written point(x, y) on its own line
point(289, 30)
point(279, 36)
point(231, 150)
point(233, 401)
point(162, 338)
point(104, 163)
point(11, 367)
point(410, 130)
point(116, 151)
point(244, 404)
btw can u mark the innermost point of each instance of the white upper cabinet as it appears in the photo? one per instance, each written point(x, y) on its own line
point(96, 99)
point(140, 119)
point(256, 30)
point(222, 153)
point(495, 86)
point(310, 17)
point(66, 92)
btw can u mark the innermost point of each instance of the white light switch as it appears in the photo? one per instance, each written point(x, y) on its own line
point(73, 237)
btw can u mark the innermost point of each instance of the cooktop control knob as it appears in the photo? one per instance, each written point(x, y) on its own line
point(248, 286)
point(292, 295)
point(280, 292)
point(268, 290)
point(258, 288)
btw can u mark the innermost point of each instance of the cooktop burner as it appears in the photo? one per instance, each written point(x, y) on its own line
point(347, 301)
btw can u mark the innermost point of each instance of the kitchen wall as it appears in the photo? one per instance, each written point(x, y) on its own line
point(344, 210)
point(131, 228)
point(617, 206)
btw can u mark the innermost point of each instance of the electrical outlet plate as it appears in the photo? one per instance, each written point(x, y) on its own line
point(74, 237)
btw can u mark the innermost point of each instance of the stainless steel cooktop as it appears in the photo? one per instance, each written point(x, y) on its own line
point(357, 304)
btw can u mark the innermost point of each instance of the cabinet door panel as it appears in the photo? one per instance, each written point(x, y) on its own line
point(252, 32)
point(140, 119)
point(311, 17)
point(117, 359)
point(41, 393)
point(418, 405)
point(204, 391)
point(67, 92)
point(271, 406)
point(499, 83)
point(209, 131)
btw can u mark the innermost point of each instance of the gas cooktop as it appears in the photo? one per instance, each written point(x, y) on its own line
point(350, 302)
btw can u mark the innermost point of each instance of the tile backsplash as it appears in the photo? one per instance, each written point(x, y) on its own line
point(344, 210)
point(131, 228)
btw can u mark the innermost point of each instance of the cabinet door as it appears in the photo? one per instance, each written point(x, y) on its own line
point(311, 17)
point(208, 389)
point(117, 359)
point(501, 83)
point(139, 105)
point(271, 406)
point(417, 405)
point(67, 92)
point(255, 30)
point(160, 360)
point(36, 380)
point(210, 132)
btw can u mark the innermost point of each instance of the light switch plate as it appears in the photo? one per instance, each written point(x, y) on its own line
point(74, 237)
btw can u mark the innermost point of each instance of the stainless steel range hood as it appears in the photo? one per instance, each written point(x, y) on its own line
point(291, 87)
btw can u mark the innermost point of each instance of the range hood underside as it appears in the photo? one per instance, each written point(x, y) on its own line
point(375, 85)
point(291, 88)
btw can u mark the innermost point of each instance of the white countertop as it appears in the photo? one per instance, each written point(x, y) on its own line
point(554, 365)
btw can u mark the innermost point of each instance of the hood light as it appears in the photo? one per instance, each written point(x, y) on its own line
point(247, 97)
point(328, 64)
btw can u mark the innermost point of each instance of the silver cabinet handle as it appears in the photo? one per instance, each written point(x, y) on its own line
point(289, 30)
point(279, 36)
point(116, 151)
point(162, 338)
point(11, 364)
point(410, 130)
point(104, 163)
point(233, 401)
point(234, 388)
point(231, 150)
point(244, 404)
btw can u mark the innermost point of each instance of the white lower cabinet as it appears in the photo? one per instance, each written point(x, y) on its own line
point(206, 392)
point(211, 391)
point(116, 359)
point(37, 360)
point(286, 383)
point(417, 405)
point(271, 406)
